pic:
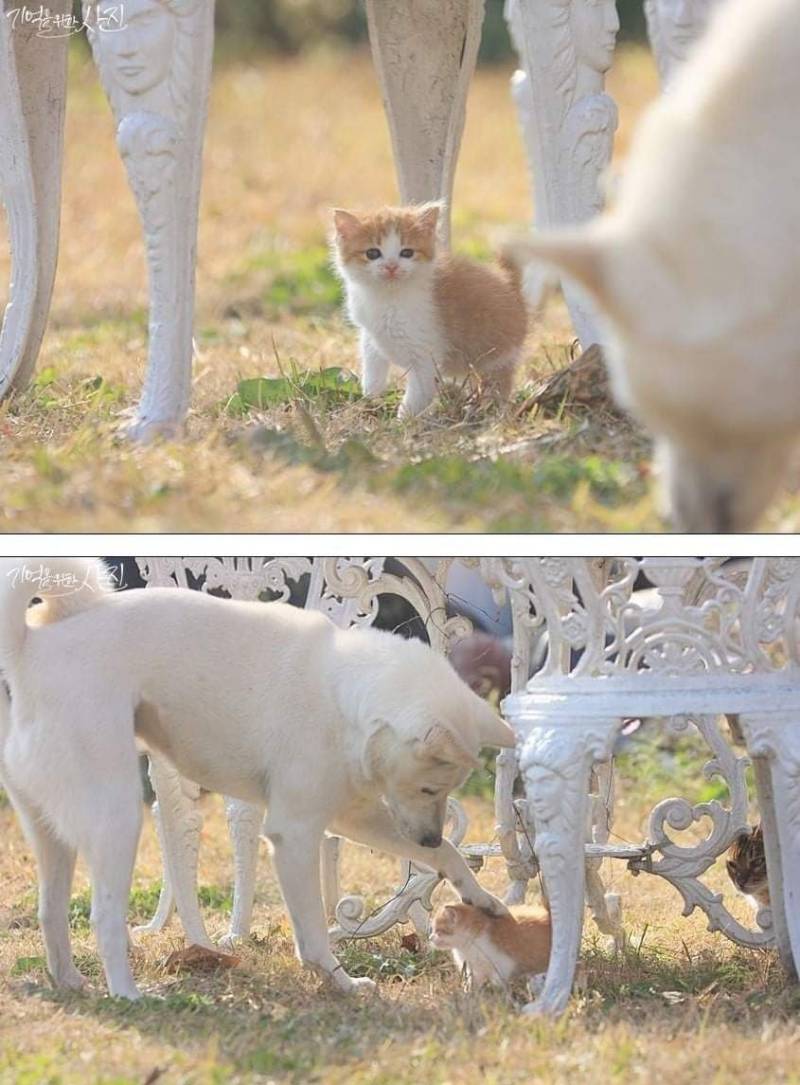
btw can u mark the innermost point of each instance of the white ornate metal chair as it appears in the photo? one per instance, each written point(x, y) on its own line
point(349, 591)
point(154, 58)
point(716, 641)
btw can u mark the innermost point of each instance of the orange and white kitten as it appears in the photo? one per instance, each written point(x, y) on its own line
point(434, 316)
point(495, 949)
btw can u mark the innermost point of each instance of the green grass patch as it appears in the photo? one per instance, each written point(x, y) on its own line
point(299, 281)
point(327, 387)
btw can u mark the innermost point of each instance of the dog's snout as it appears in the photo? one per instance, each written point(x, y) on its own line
point(431, 840)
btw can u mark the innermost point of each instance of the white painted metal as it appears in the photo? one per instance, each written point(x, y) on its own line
point(33, 71)
point(568, 121)
point(673, 27)
point(717, 640)
point(424, 53)
point(156, 71)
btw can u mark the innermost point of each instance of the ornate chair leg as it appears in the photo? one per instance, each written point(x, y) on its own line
point(244, 826)
point(506, 822)
point(606, 907)
point(159, 95)
point(425, 52)
point(178, 822)
point(556, 763)
point(33, 85)
point(774, 744)
point(331, 850)
point(569, 120)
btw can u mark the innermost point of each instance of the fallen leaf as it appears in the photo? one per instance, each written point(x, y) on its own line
point(411, 942)
point(199, 959)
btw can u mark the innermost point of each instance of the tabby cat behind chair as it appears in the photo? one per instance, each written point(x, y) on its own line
point(747, 866)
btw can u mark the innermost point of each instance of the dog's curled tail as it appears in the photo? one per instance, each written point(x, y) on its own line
point(65, 586)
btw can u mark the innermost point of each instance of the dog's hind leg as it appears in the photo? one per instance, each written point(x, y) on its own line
point(111, 853)
point(296, 854)
point(55, 862)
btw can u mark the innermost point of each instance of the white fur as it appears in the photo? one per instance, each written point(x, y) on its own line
point(399, 324)
point(268, 703)
point(698, 266)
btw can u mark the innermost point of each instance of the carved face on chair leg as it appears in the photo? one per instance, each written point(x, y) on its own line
point(595, 25)
point(680, 23)
point(140, 54)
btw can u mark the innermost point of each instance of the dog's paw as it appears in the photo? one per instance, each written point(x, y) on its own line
point(230, 942)
point(362, 984)
point(70, 979)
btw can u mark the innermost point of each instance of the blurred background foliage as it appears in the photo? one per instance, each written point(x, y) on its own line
point(289, 26)
point(292, 26)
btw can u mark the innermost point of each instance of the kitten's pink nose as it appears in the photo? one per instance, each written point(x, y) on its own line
point(391, 269)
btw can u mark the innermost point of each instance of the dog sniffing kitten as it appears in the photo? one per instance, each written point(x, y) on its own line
point(436, 317)
point(747, 866)
point(495, 950)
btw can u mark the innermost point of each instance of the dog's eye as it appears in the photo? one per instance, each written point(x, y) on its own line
point(373, 254)
point(407, 253)
point(428, 791)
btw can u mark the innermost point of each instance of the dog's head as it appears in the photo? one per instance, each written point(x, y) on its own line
point(425, 745)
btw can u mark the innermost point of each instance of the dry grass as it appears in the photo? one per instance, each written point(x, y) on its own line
point(679, 1004)
point(285, 141)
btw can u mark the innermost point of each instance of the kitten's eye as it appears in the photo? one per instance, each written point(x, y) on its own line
point(428, 791)
point(406, 253)
point(373, 254)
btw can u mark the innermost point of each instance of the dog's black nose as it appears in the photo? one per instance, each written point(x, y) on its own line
point(431, 840)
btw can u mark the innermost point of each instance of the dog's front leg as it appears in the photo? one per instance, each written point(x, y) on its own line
point(378, 831)
point(296, 854)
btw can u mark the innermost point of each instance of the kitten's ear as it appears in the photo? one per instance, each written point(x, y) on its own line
point(346, 224)
point(428, 215)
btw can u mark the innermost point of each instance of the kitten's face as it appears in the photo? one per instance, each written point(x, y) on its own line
point(388, 248)
point(747, 866)
point(444, 927)
point(452, 924)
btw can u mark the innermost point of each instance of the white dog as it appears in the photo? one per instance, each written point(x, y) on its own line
point(697, 268)
point(360, 732)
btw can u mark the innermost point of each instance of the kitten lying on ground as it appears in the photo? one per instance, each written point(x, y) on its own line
point(436, 317)
point(495, 950)
point(747, 866)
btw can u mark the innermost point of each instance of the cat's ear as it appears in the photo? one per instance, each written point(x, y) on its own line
point(428, 215)
point(346, 224)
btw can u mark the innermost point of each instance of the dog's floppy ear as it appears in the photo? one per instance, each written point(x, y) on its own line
point(492, 731)
point(438, 743)
point(375, 752)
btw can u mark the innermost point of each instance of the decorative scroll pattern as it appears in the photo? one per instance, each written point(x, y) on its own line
point(584, 619)
point(702, 617)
